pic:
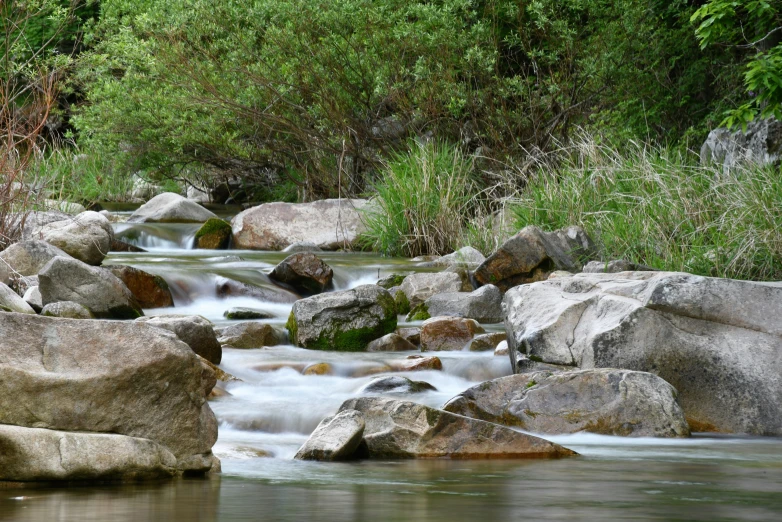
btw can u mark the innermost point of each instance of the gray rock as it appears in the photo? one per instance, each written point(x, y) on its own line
point(330, 224)
point(760, 144)
point(11, 302)
point(448, 333)
point(20, 284)
point(420, 287)
point(27, 258)
point(151, 291)
point(405, 430)
point(170, 208)
point(243, 312)
point(35, 221)
point(65, 279)
point(615, 266)
point(86, 237)
point(347, 320)
point(33, 297)
point(34, 454)
point(391, 282)
point(336, 438)
point(487, 342)
point(605, 401)
point(396, 384)
point(714, 340)
point(466, 257)
point(106, 377)
point(484, 305)
point(501, 349)
point(410, 333)
point(194, 330)
point(250, 335)
point(67, 309)
point(391, 343)
point(63, 206)
point(273, 294)
point(301, 246)
point(305, 272)
point(531, 255)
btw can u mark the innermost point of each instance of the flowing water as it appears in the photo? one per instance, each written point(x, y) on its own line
point(272, 410)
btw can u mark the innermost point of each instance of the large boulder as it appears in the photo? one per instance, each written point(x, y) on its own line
point(215, 234)
point(66, 279)
point(87, 236)
point(398, 429)
point(329, 224)
point(347, 320)
point(759, 144)
point(420, 287)
point(714, 340)
point(34, 454)
point(151, 291)
point(531, 255)
point(305, 272)
point(11, 302)
point(484, 305)
point(27, 258)
point(196, 331)
point(170, 208)
point(605, 401)
point(336, 438)
point(115, 377)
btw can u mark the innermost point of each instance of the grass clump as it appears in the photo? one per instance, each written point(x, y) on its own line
point(423, 199)
point(662, 209)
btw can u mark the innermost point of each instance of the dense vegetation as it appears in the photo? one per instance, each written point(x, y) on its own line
point(449, 110)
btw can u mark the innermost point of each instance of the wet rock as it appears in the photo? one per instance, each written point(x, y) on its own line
point(501, 349)
point(447, 333)
point(366, 370)
point(33, 297)
point(301, 246)
point(347, 320)
point(11, 302)
point(280, 365)
point(67, 309)
point(615, 266)
point(330, 224)
point(220, 375)
point(605, 401)
point(105, 376)
point(170, 208)
point(466, 257)
point(27, 258)
point(304, 272)
point(487, 342)
point(318, 369)
point(403, 430)
point(484, 305)
point(197, 332)
point(243, 312)
point(416, 363)
point(215, 234)
point(390, 281)
point(712, 339)
point(151, 291)
point(531, 255)
point(420, 287)
point(121, 246)
point(396, 384)
point(250, 335)
point(33, 454)
point(230, 288)
point(410, 333)
point(336, 438)
point(759, 144)
point(391, 343)
point(86, 237)
point(65, 279)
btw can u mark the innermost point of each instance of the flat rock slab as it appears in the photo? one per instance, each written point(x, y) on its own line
point(405, 430)
point(715, 340)
point(329, 224)
point(34, 454)
point(605, 401)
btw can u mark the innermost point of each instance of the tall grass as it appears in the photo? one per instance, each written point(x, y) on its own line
point(423, 200)
point(653, 206)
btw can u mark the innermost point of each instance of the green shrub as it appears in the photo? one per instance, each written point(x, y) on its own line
point(651, 206)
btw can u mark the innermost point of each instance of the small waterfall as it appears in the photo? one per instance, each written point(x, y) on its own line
point(158, 236)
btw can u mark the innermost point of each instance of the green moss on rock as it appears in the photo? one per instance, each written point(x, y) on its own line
point(419, 313)
point(214, 234)
point(402, 303)
point(290, 325)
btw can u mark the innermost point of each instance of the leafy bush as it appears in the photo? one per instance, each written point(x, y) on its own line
point(655, 207)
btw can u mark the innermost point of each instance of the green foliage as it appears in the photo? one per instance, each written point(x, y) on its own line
point(423, 200)
point(654, 207)
point(753, 28)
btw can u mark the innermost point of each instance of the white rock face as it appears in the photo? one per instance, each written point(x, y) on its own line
point(420, 287)
point(717, 341)
point(170, 208)
point(335, 438)
point(328, 224)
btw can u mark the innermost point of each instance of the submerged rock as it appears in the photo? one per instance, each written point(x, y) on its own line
point(396, 384)
point(448, 333)
point(711, 339)
point(302, 246)
point(336, 438)
point(531, 255)
point(304, 272)
point(151, 291)
point(404, 430)
point(243, 312)
point(484, 305)
point(330, 224)
point(347, 320)
point(604, 401)
point(272, 294)
point(170, 208)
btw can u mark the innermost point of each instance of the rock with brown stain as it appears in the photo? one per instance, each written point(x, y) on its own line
point(305, 272)
point(151, 291)
point(448, 333)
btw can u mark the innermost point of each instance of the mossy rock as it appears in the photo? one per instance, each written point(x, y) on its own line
point(402, 303)
point(391, 281)
point(419, 313)
point(215, 234)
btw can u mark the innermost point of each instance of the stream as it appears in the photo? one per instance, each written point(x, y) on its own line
point(273, 409)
